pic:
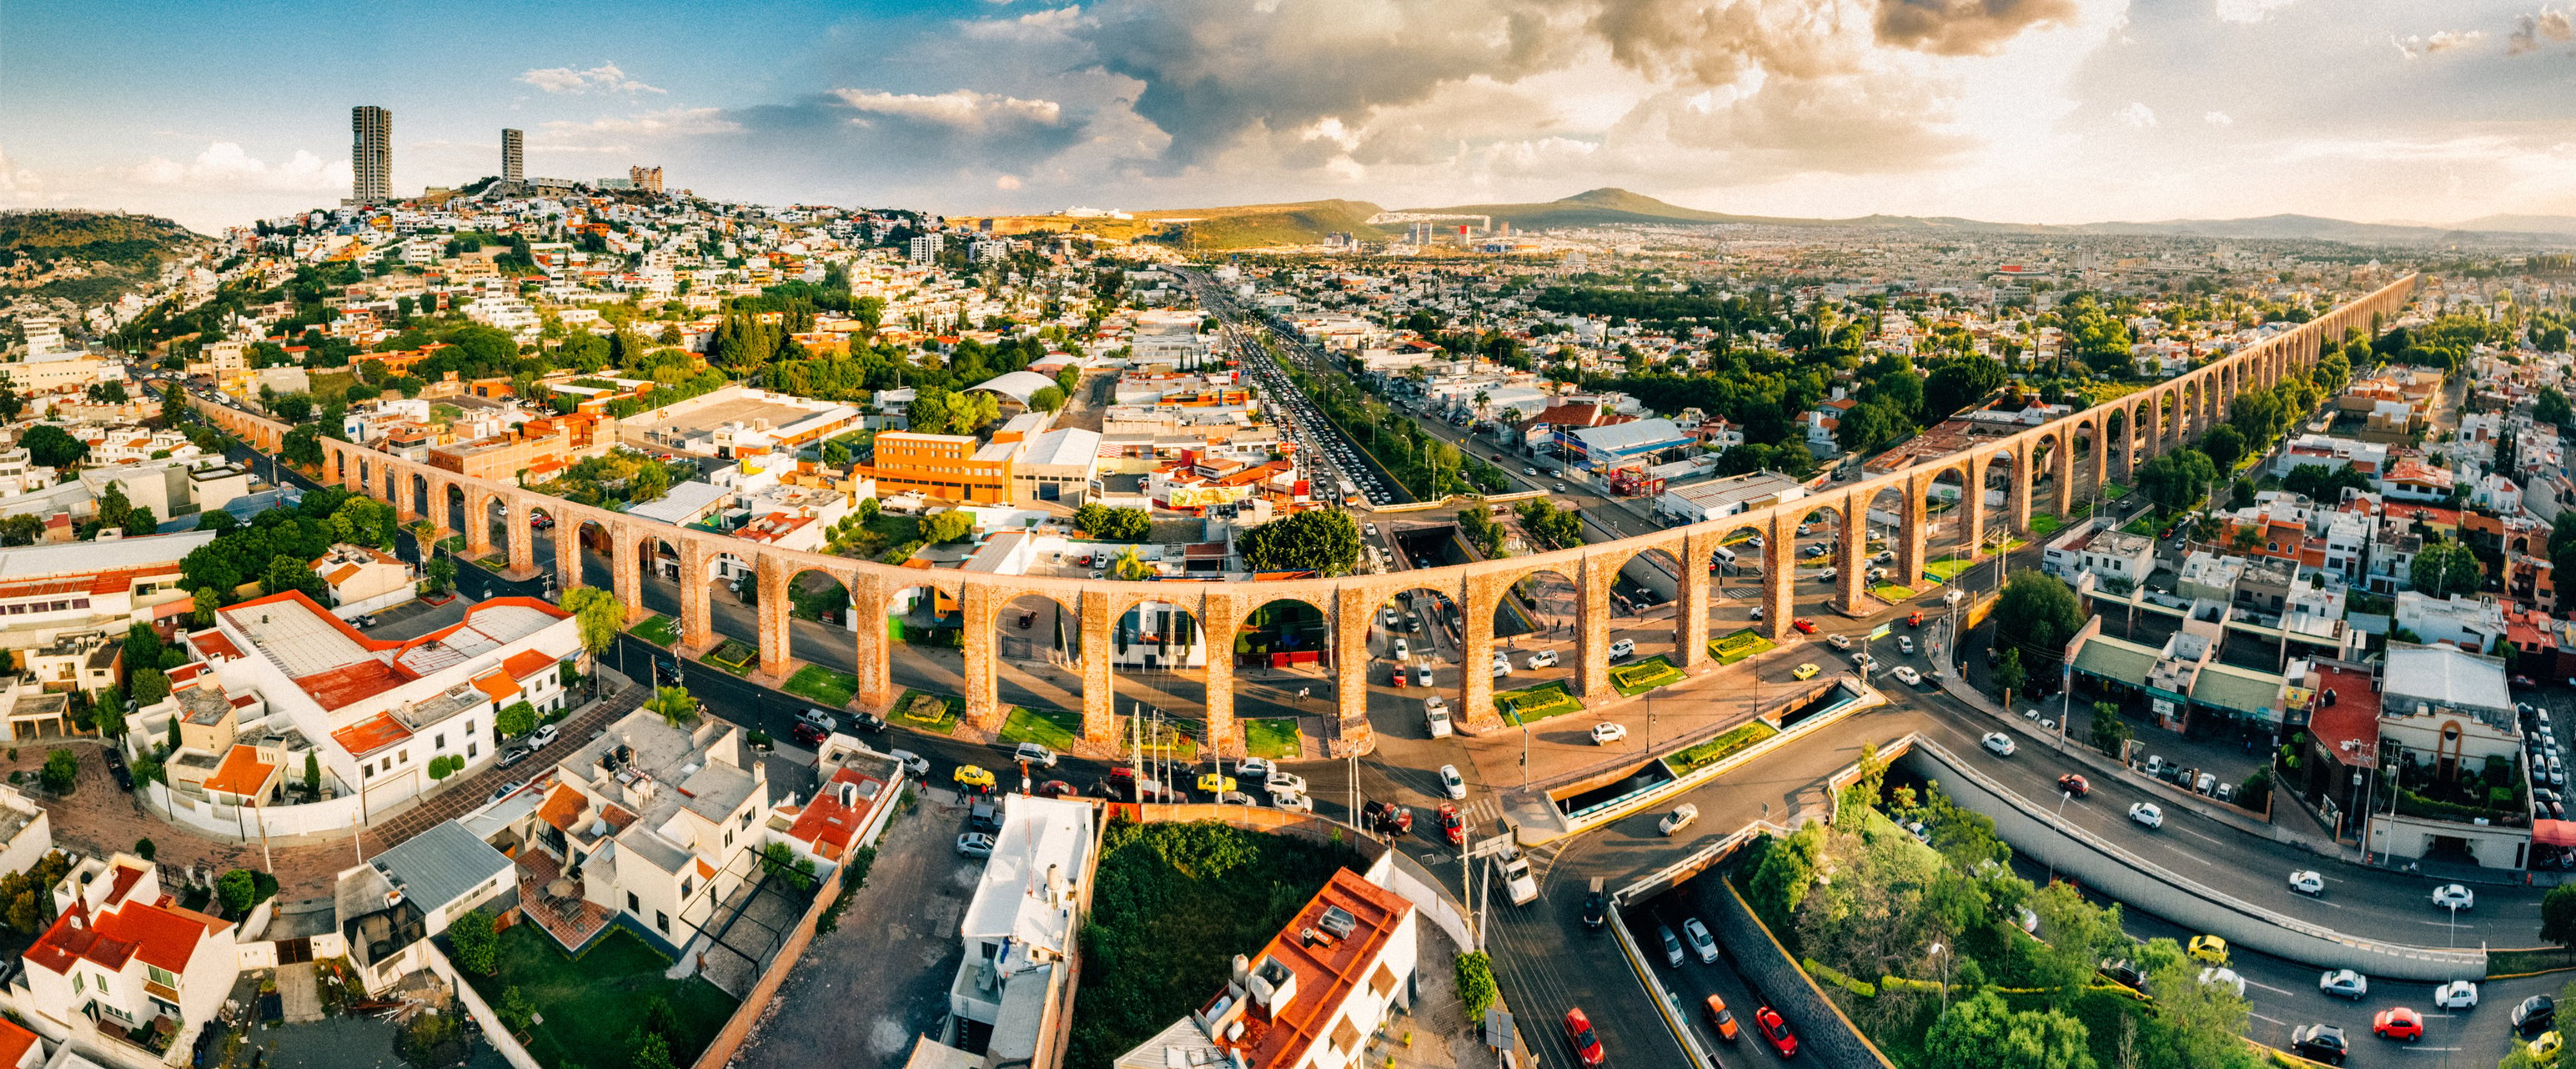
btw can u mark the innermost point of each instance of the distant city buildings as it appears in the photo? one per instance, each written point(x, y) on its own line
point(513, 156)
point(371, 154)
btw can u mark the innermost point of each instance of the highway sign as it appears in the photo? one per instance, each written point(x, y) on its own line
point(1880, 632)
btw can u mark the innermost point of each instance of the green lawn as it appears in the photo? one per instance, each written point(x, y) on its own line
point(733, 655)
point(823, 686)
point(1055, 729)
point(2045, 524)
point(1532, 704)
point(660, 630)
point(1719, 748)
point(929, 712)
point(1639, 677)
point(1736, 646)
point(1273, 737)
point(1891, 592)
point(1947, 568)
point(590, 1004)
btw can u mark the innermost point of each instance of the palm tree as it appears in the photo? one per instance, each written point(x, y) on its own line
point(1131, 567)
point(675, 705)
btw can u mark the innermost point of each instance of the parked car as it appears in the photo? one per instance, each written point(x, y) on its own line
point(1578, 1035)
point(1775, 1031)
point(975, 844)
point(542, 737)
point(1604, 734)
point(1278, 782)
point(1056, 788)
point(867, 722)
point(2344, 983)
point(504, 790)
point(117, 771)
point(1387, 817)
point(1702, 943)
point(818, 718)
point(2322, 1042)
point(2399, 1023)
point(972, 778)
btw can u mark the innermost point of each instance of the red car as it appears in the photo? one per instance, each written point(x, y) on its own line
point(1804, 625)
point(2398, 1023)
point(1578, 1032)
point(1915, 619)
point(1056, 788)
point(807, 733)
point(1453, 826)
point(1775, 1031)
point(2073, 784)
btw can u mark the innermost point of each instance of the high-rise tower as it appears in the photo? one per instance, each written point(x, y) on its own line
point(513, 161)
point(371, 154)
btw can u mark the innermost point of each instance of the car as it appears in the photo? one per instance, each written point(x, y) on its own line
point(1402, 652)
point(1998, 744)
point(1914, 619)
point(975, 844)
point(2073, 784)
point(1720, 1021)
point(807, 734)
point(1517, 881)
point(1557, 487)
point(1387, 817)
point(1452, 826)
point(2456, 995)
point(1863, 659)
point(2205, 784)
point(867, 722)
point(1804, 672)
point(1254, 768)
point(1293, 803)
point(2320, 1042)
point(2398, 1022)
point(1578, 1035)
point(1435, 717)
point(2534, 1014)
point(1056, 788)
point(1757, 612)
point(818, 718)
point(1529, 471)
point(1502, 666)
point(2308, 882)
point(1681, 817)
point(1543, 659)
point(1034, 754)
point(2207, 948)
point(1215, 783)
point(913, 764)
point(1840, 642)
point(1907, 675)
point(2146, 813)
point(1389, 618)
point(1701, 943)
point(2544, 1047)
point(972, 777)
point(1605, 734)
point(2454, 896)
point(1453, 784)
point(2217, 976)
point(506, 789)
point(1596, 906)
point(1422, 674)
point(2125, 973)
point(2344, 983)
point(1829, 572)
point(544, 735)
point(1278, 782)
point(1905, 644)
point(1775, 1031)
point(1622, 648)
point(1805, 626)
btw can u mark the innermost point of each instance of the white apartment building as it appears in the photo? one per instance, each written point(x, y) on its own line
point(121, 957)
point(1022, 926)
point(2471, 623)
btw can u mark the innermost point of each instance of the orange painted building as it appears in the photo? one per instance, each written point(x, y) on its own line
point(949, 467)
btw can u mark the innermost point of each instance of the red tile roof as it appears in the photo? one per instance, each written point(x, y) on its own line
point(497, 685)
point(211, 642)
point(829, 825)
point(241, 773)
point(371, 734)
point(161, 935)
point(1326, 973)
point(2353, 718)
point(15, 1042)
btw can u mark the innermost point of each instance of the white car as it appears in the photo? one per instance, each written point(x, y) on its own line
point(2455, 896)
point(1502, 666)
point(2146, 813)
point(2344, 983)
point(1622, 648)
point(2456, 995)
point(1905, 644)
point(1402, 652)
point(1034, 754)
point(913, 764)
point(1702, 943)
point(1422, 676)
point(1829, 573)
point(1681, 817)
point(1390, 618)
point(2225, 978)
point(1452, 784)
point(1605, 734)
point(1542, 659)
point(2308, 882)
point(1999, 744)
point(1908, 676)
point(1285, 783)
point(1294, 803)
point(1840, 642)
point(1253, 769)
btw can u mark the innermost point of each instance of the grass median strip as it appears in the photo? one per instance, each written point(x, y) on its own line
point(1532, 704)
point(823, 686)
point(1055, 729)
point(1276, 738)
point(660, 630)
point(1735, 740)
point(1634, 679)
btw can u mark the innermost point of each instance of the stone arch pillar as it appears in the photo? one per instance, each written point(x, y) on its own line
point(1593, 579)
point(2018, 491)
point(697, 632)
point(478, 522)
point(1476, 648)
point(1352, 608)
point(1690, 608)
point(1099, 696)
point(776, 651)
point(1972, 504)
point(977, 607)
point(2062, 468)
point(521, 524)
point(568, 572)
point(868, 593)
point(398, 479)
point(625, 569)
point(1914, 532)
point(1221, 611)
point(1851, 556)
point(1779, 571)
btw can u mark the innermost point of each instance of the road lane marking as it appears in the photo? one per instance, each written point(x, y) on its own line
point(2188, 831)
point(2267, 987)
point(2274, 1020)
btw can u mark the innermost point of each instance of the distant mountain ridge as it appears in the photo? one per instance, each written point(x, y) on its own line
point(1307, 223)
point(51, 259)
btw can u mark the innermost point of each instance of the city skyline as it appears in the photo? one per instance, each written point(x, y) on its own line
point(2047, 111)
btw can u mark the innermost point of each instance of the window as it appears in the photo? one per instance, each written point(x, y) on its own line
point(442, 740)
point(160, 976)
point(80, 983)
point(469, 729)
point(687, 885)
point(728, 838)
point(469, 749)
point(402, 756)
point(633, 904)
point(662, 921)
point(746, 818)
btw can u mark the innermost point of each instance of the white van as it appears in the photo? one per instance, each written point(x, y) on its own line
point(1724, 556)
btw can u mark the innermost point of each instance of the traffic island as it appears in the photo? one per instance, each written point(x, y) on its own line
point(822, 686)
point(1529, 705)
point(1634, 679)
point(661, 631)
point(1738, 645)
point(921, 711)
point(734, 656)
point(1275, 738)
point(1055, 729)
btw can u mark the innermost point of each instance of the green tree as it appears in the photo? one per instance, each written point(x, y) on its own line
point(2009, 676)
point(2550, 406)
point(441, 572)
point(673, 704)
point(2079, 935)
point(2443, 569)
point(1786, 873)
point(2197, 1025)
point(1324, 541)
point(62, 771)
point(951, 526)
point(292, 408)
point(1047, 399)
point(312, 774)
point(204, 605)
point(2177, 479)
point(519, 719)
point(2224, 445)
point(52, 446)
point(237, 891)
point(1476, 986)
point(285, 573)
point(1868, 425)
point(1958, 382)
point(2322, 484)
point(2110, 732)
point(600, 616)
point(1980, 1032)
point(477, 943)
point(147, 686)
point(2036, 614)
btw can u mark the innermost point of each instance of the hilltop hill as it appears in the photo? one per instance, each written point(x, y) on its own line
point(1596, 207)
point(50, 258)
point(1257, 225)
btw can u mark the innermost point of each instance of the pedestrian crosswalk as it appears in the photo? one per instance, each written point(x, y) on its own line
point(1481, 812)
point(1742, 592)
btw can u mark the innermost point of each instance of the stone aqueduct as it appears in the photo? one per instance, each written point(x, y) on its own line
point(2158, 420)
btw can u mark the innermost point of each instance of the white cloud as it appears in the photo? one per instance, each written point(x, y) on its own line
point(2137, 115)
point(961, 108)
point(2530, 30)
point(2249, 10)
point(674, 122)
point(2443, 41)
point(1008, 181)
point(2218, 118)
point(605, 78)
point(223, 165)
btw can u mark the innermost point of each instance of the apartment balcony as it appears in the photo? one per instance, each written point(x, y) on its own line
point(152, 1036)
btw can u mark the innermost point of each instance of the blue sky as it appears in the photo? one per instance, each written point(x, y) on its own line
point(2025, 110)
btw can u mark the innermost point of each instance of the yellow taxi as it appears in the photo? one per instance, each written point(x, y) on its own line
point(974, 778)
point(2545, 1046)
point(2208, 948)
point(1804, 672)
point(1215, 783)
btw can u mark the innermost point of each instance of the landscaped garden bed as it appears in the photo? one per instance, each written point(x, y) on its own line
point(1536, 703)
point(733, 655)
point(1639, 677)
point(1733, 742)
point(823, 686)
point(929, 712)
point(1738, 645)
